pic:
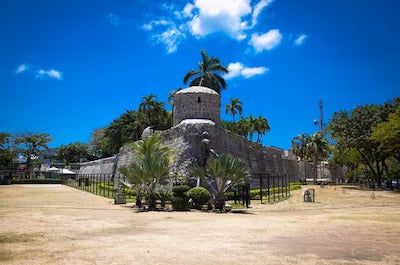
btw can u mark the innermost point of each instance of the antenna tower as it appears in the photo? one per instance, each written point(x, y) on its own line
point(321, 115)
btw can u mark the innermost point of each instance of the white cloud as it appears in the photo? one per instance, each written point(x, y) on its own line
point(257, 10)
point(220, 16)
point(166, 33)
point(266, 41)
point(200, 18)
point(300, 40)
point(238, 69)
point(39, 72)
point(21, 68)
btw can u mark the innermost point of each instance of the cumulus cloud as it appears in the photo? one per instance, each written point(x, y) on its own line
point(266, 41)
point(238, 69)
point(167, 33)
point(39, 72)
point(234, 18)
point(220, 16)
point(300, 40)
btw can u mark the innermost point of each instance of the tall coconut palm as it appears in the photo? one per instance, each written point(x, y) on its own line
point(171, 96)
point(208, 74)
point(262, 127)
point(150, 167)
point(299, 146)
point(299, 149)
point(235, 107)
point(225, 170)
point(318, 149)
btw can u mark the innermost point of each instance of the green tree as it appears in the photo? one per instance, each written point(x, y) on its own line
point(31, 146)
point(171, 97)
point(224, 171)
point(75, 152)
point(353, 130)
point(8, 158)
point(262, 127)
point(235, 107)
point(387, 135)
point(318, 149)
point(299, 146)
point(208, 74)
point(149, 168)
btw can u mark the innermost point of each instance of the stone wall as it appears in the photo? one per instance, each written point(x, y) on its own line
point(101, 166)
point(196, 103)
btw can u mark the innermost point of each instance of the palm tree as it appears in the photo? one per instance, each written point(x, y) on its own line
point(317, 148)
point(252, 123)
point(150, 167)
point(224, 170)
point(299, 146)
point(171, 97)
point(299, 149)
point(152, 109)
point(234, 107)
point(207, 75)
point(262, 127)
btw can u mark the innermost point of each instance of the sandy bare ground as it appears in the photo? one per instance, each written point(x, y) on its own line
point(53, 224)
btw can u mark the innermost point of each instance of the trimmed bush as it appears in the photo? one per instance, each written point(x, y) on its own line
point(180, 191)
point(180, 200)
point(199, 195)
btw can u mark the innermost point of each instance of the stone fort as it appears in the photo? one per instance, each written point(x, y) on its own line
point(196, 115)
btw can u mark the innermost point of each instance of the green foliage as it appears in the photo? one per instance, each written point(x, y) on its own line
point(180, 200)
point(8, 159)
point(208, 74)
point(180, 190)
point(354, 130)
point(150, 167)
point(199, 195)
point(31, 146)
point(164, 197)
point(255, 194)
point(72, 153)
point(235, 107)
point(224, 170)
point(247, 127)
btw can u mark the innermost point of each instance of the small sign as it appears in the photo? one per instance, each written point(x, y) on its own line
point(120, 197)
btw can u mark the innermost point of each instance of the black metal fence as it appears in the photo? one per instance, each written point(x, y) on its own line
point(99, 184)
point(265, 188)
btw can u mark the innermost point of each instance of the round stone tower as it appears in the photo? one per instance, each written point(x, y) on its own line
point(197, 102)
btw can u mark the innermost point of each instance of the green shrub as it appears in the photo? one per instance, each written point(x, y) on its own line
point(164, 196)
point(180, 204)
point(199, 195)
point(180, 200)
point(180, 191)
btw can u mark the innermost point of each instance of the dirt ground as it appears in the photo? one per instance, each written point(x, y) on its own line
point(54, 224)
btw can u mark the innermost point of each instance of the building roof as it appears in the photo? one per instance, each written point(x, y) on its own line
point(197, 90)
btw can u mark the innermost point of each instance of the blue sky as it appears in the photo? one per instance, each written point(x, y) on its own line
point(69, 67)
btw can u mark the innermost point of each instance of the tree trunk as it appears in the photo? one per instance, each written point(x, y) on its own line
point(219, 201)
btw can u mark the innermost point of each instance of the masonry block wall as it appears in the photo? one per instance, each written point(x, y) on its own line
point(196, 103)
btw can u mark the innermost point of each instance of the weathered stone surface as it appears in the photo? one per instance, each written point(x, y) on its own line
point(196, 103)
point(101, 166)
point(197, 110)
